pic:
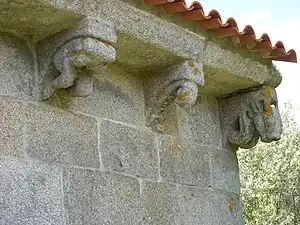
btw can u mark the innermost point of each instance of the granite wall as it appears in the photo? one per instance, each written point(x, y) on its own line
point(92, 160)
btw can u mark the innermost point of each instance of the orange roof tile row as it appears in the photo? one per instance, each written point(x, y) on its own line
point(213, 22)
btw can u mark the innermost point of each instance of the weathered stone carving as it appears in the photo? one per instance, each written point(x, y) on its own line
point(77, 56)
point(79, 52)
point(251, 116)
point(179, 84)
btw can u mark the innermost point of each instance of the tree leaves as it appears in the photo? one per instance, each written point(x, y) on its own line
point(270, 179)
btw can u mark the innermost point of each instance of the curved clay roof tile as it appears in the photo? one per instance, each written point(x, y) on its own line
point(213, 22)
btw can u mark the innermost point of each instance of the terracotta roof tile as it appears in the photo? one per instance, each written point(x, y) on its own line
point(213, 22)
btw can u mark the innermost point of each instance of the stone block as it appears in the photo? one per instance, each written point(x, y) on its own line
point(35, 19)
point(160, 203)
point(183, 162)
point(30, 193)
point(225, 171)
point(226, 209)
point(229, 110)
point(170, 204)
point(117, 95)
point(128, 150)
point(92, 27)
point(195, 204)
point(228, 71)
point(54, 135)
point(162, 39)
point(11, 127)
point(16, 68)
point(93, 197)
point(201, 122)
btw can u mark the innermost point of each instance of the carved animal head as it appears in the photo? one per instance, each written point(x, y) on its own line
point(259, 118)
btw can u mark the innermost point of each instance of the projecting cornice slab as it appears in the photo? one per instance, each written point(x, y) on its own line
point(148, 40)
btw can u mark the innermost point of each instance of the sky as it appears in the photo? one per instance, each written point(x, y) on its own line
point(281, 20)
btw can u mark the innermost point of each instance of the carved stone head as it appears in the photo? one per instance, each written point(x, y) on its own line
point(251, 116)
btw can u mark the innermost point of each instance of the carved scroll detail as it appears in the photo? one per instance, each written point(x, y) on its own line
point(252, 116)
point(79, 52)
point(179, 85)
point(75, 58)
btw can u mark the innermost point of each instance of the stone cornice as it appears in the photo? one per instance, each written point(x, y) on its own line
point(35, 19)
point(82, 39)
point(147, 40)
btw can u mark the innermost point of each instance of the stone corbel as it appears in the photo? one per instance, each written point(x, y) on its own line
point(178, 85)
point(250, 116)
point(77, 54)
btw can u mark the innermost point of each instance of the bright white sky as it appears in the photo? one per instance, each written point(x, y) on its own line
point(281, 20)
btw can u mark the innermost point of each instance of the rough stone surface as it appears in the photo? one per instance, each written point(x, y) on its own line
point(30, 193)
point(227, 118)
point(128, 150)
point(54, 135)
point(117, 95)
point(80, 57)
point(201, 123)
point(179, 84)
point(225, 171)
point(170, 204)
point(16, 68)
point(11, 127)
point(93, 198)
point(146, 27)
point(162, 38)
point(77, 49)
point(84, 52)
point(147, 41)
point(183, 162)
point(195, 205)
point(93, 27)
point(244, 72)
point(227, 67)
point(226, 209)
point(190, 179)
point(250, 116)
point(34, 19)
point(160, 203)
point(144, 41)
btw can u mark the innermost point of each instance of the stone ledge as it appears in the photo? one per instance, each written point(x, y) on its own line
point(227, 67)
point(144, 40)
point(34, 19)
point(31, 191)
point(148, 40)
point(229, 71)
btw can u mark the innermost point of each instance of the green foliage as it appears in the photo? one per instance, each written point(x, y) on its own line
point(270, 178)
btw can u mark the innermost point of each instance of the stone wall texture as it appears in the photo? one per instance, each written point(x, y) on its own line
point(92, 160)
